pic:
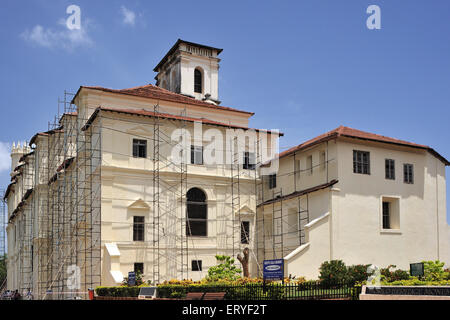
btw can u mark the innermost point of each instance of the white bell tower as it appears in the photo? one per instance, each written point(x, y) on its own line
point(190, 69)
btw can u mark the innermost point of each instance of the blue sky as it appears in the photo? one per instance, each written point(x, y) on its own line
point(304, 67)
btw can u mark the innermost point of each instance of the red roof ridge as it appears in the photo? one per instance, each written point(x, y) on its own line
point(344, 131)
point(347, 131)
point(155, 92)
point(132, 88)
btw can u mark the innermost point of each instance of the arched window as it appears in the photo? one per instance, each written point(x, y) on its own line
point(198, 81)
point(197, 213)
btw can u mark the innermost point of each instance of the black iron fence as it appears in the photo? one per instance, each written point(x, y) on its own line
point(310, 290)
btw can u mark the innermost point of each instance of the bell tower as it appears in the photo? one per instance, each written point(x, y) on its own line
point(190, 69)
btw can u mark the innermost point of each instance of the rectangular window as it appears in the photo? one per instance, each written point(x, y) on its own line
point(272, 181)
point(390, 213)
point(139, 268)
point(361, 162)
point(408, 173)
point(323, 160)
point(138, 228)
point(139, 148)
point(197, 223)
point(196, 155)
point(390, 169)
point(309, 163)
point(196, 265)
point(245, 232)
point(297, 169)
point(249, 160)
point(386, 215)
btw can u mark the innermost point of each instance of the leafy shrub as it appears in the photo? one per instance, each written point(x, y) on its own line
point(414, 281)
point(333, 273)
point(447, 274)
point(358, 273)
point(434, 271)
point(389, 276)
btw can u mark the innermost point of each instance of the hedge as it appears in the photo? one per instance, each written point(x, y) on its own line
point(416, 282)
point(232, 292)
point(121, 291)
point(179, 291)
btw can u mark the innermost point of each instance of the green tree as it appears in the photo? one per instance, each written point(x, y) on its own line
point(225, 270)
point(333, 272)
point(2, 269)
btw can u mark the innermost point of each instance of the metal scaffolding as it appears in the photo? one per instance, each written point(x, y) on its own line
point(2, 223)
point(171, 246)
point(67, 192)
point(281, 217)
point(59, 254)
point(26, 222)
point(156, 193)
point(235, 196)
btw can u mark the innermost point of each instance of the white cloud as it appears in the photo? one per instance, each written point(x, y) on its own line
point(129, 17)
point(5, 158)
point(59, 38)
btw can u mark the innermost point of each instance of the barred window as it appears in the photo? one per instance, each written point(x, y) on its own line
point(390, 169)
point(408, 173)
point(139, 148)
point(196, 265)
point(361, 162)
point(386, 215)
point(196, 155)
point(138, 228)
point(245, 232)
point(272, 181)
point(249, 161)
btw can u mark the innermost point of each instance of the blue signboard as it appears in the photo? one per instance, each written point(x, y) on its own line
point(131, 278)
point(273, 269)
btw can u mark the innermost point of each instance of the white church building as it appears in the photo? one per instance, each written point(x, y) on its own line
point(158, 179)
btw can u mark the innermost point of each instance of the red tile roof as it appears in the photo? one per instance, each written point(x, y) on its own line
point(147, 113)
point(154, 92)
point(343, 131)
